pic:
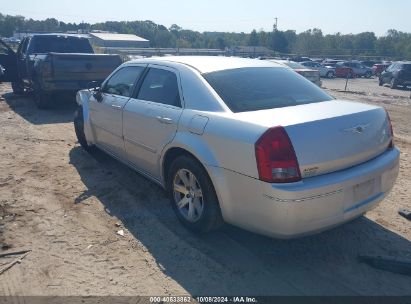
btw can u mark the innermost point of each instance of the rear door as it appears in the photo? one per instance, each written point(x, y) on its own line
point(8, 60)
point(151, 118)
point(106, 112)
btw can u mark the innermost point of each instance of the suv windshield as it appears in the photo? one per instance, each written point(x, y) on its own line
point(252, 89)
point(59, 44)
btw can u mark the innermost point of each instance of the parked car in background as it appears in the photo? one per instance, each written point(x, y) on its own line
point(299, 59)
point(7, 61)
point(303, 161)
point(378, 68)
point(343, 72)
point(325, 70)
point(311, 74)
point(397, 74)
point(54, 63)
point(330, 62)
point(358, 69)
point(369, 63)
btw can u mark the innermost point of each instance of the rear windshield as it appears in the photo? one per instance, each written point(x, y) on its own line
point(59, 44)
point(252, 89)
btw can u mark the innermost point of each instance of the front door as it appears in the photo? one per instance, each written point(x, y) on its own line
point(106, 111)
point(151, 118)
point(8, 60)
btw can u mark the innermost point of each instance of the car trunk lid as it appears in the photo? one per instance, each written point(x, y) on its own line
point(329, 136)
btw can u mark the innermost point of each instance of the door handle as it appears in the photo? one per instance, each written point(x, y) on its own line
point(115, 106)
point(165, 120)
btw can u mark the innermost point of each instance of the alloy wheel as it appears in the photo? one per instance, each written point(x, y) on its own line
point(188, 195)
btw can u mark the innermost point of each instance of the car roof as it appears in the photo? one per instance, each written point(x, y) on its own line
point(207, 64)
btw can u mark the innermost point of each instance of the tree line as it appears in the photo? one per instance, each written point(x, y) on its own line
point(394, 45)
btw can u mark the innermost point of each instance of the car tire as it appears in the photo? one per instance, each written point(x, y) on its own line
point(380, 82)
point(368, 75)
point(18, 87)
point(79, 129)
point(41, 98)
point(192, 195)
point(393, 83)
point(330, 75)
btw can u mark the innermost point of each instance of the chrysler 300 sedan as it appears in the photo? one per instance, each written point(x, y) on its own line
point(242, 141)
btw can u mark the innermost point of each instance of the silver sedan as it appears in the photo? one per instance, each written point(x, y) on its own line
point(242, 141)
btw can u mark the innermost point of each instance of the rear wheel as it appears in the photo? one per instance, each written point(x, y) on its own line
point(393, 83)
point(368, 74)
point(330, 74)
point(192, 195)
point(79, 129)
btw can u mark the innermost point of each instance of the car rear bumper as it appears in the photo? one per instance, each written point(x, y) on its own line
point(306, 207)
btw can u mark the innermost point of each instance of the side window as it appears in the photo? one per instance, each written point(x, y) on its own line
point(122, 82)
point(160, 86)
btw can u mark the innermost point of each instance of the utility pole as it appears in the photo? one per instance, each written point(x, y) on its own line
point(275, 24)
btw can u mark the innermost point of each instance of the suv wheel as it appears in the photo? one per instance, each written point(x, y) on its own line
point(41, 98)
point(330, 74)
point(192, 195)
point(18, 87)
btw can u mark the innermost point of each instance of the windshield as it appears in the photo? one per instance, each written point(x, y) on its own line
point(59, 44)
point(252, 89)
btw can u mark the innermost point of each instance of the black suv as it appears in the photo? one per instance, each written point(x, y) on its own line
point(397, 74)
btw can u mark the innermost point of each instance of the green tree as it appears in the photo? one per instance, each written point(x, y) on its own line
point(253, 39)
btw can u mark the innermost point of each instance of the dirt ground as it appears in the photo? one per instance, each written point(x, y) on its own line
point(67, 206)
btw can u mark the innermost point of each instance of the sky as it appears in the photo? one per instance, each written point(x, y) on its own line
point(345, 16)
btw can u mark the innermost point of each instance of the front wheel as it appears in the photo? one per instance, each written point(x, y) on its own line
point(192, 195)
point(41, 97)
point(368, 75)
point(79, 129)
point(330, 75)
point(18, 87)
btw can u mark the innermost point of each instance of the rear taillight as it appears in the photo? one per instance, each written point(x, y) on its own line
point(276, 158)
point(391, 130)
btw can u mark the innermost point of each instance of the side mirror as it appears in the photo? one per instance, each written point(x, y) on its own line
point(98, 95)
point(93, 85)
